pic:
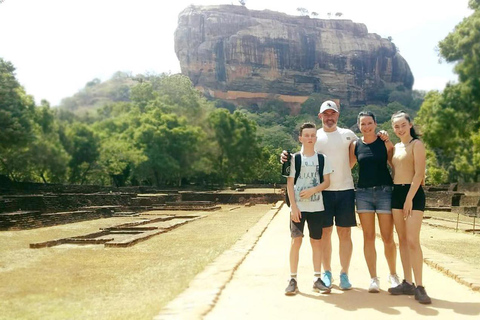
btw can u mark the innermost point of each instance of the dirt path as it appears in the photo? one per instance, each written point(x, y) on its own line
point(256, 287)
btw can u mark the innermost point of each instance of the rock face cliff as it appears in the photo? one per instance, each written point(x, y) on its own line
point(234, 53)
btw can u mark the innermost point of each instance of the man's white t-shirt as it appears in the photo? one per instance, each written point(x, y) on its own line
point(309, 178)
point(335, 145)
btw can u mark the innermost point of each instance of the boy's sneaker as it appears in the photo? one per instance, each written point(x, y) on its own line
point(292, 288)
point(374, 285)
point(320, 286)
point(403, 288)
point(422, 296)
point(327, 279)
point(394, 280)
point(344, 282)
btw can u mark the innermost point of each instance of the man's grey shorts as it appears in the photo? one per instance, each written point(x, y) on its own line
point(339, 205)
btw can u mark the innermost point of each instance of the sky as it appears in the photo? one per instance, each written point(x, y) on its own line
point(57, 46)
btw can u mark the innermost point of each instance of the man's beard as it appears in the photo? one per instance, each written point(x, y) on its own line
point(330, 123)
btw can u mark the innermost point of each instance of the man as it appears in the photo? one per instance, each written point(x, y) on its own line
point(339, 197)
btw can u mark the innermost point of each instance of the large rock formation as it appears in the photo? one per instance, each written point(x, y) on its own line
point(234, 53)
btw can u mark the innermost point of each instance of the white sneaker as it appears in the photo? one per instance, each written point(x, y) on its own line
point(374, 285)
point(394, 280)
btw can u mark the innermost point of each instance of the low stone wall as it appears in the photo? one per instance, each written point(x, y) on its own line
point(466, 187)
point(47, 203)
point(438, 198)
point(11, 188)
point(460, 198)
point(27, 211)
point(232, 197)
point(22, 220)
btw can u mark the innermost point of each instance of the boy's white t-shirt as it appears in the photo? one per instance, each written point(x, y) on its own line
point(309, 178)
point(335, 145)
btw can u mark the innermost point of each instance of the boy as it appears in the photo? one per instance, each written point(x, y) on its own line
point(307, 205)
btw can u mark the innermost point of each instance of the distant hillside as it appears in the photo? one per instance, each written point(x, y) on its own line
point(97, 93)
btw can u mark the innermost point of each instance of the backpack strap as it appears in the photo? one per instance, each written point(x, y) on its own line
point(321, 165)
point(298, 166)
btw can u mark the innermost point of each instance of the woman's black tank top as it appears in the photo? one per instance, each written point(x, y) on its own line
point(372, 162)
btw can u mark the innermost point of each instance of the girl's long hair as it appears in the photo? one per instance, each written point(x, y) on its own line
point(402, 113)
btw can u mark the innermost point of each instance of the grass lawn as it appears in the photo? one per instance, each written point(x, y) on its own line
point(450, 216)
point(461, 245)
point(93, 282)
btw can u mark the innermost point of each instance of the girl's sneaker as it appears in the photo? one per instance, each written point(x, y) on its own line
point(403, 288)
point(394, 280)
point(421, 295)
point(374, 285)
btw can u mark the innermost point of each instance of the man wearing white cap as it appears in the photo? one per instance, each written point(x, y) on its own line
point(339, 197)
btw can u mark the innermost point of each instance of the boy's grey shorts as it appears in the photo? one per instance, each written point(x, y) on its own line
point(315, 225)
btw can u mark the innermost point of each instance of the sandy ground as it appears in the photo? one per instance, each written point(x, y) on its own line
point(255, 289)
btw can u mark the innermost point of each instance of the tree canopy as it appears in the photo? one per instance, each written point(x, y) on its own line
point(154, 129)
point(450, 119)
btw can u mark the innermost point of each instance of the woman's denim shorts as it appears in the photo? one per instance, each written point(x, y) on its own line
point(374, 199)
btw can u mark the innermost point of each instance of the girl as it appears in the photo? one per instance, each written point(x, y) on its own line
point(408, 204)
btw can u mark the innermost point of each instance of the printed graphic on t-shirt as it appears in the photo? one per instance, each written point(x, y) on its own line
point(310, 177)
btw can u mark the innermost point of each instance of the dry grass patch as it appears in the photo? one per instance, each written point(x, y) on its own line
point(94, 282)
point(460, 245)
point(451, 216)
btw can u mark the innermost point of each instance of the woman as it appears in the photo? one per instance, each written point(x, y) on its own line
point(373, 196)
point(408, 204)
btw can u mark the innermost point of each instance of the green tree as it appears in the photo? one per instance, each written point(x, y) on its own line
point(83, 147)
point(16, 108)
point(118, 157)
point(268, 169)
point(450, 120)
point(16, 115)
point(48, 158)
point(277, 106)
point(277, 137)
point(461, 46)
point(237, 143)
point(170, 145)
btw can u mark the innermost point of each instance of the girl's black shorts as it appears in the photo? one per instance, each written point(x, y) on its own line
point(399, 195)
